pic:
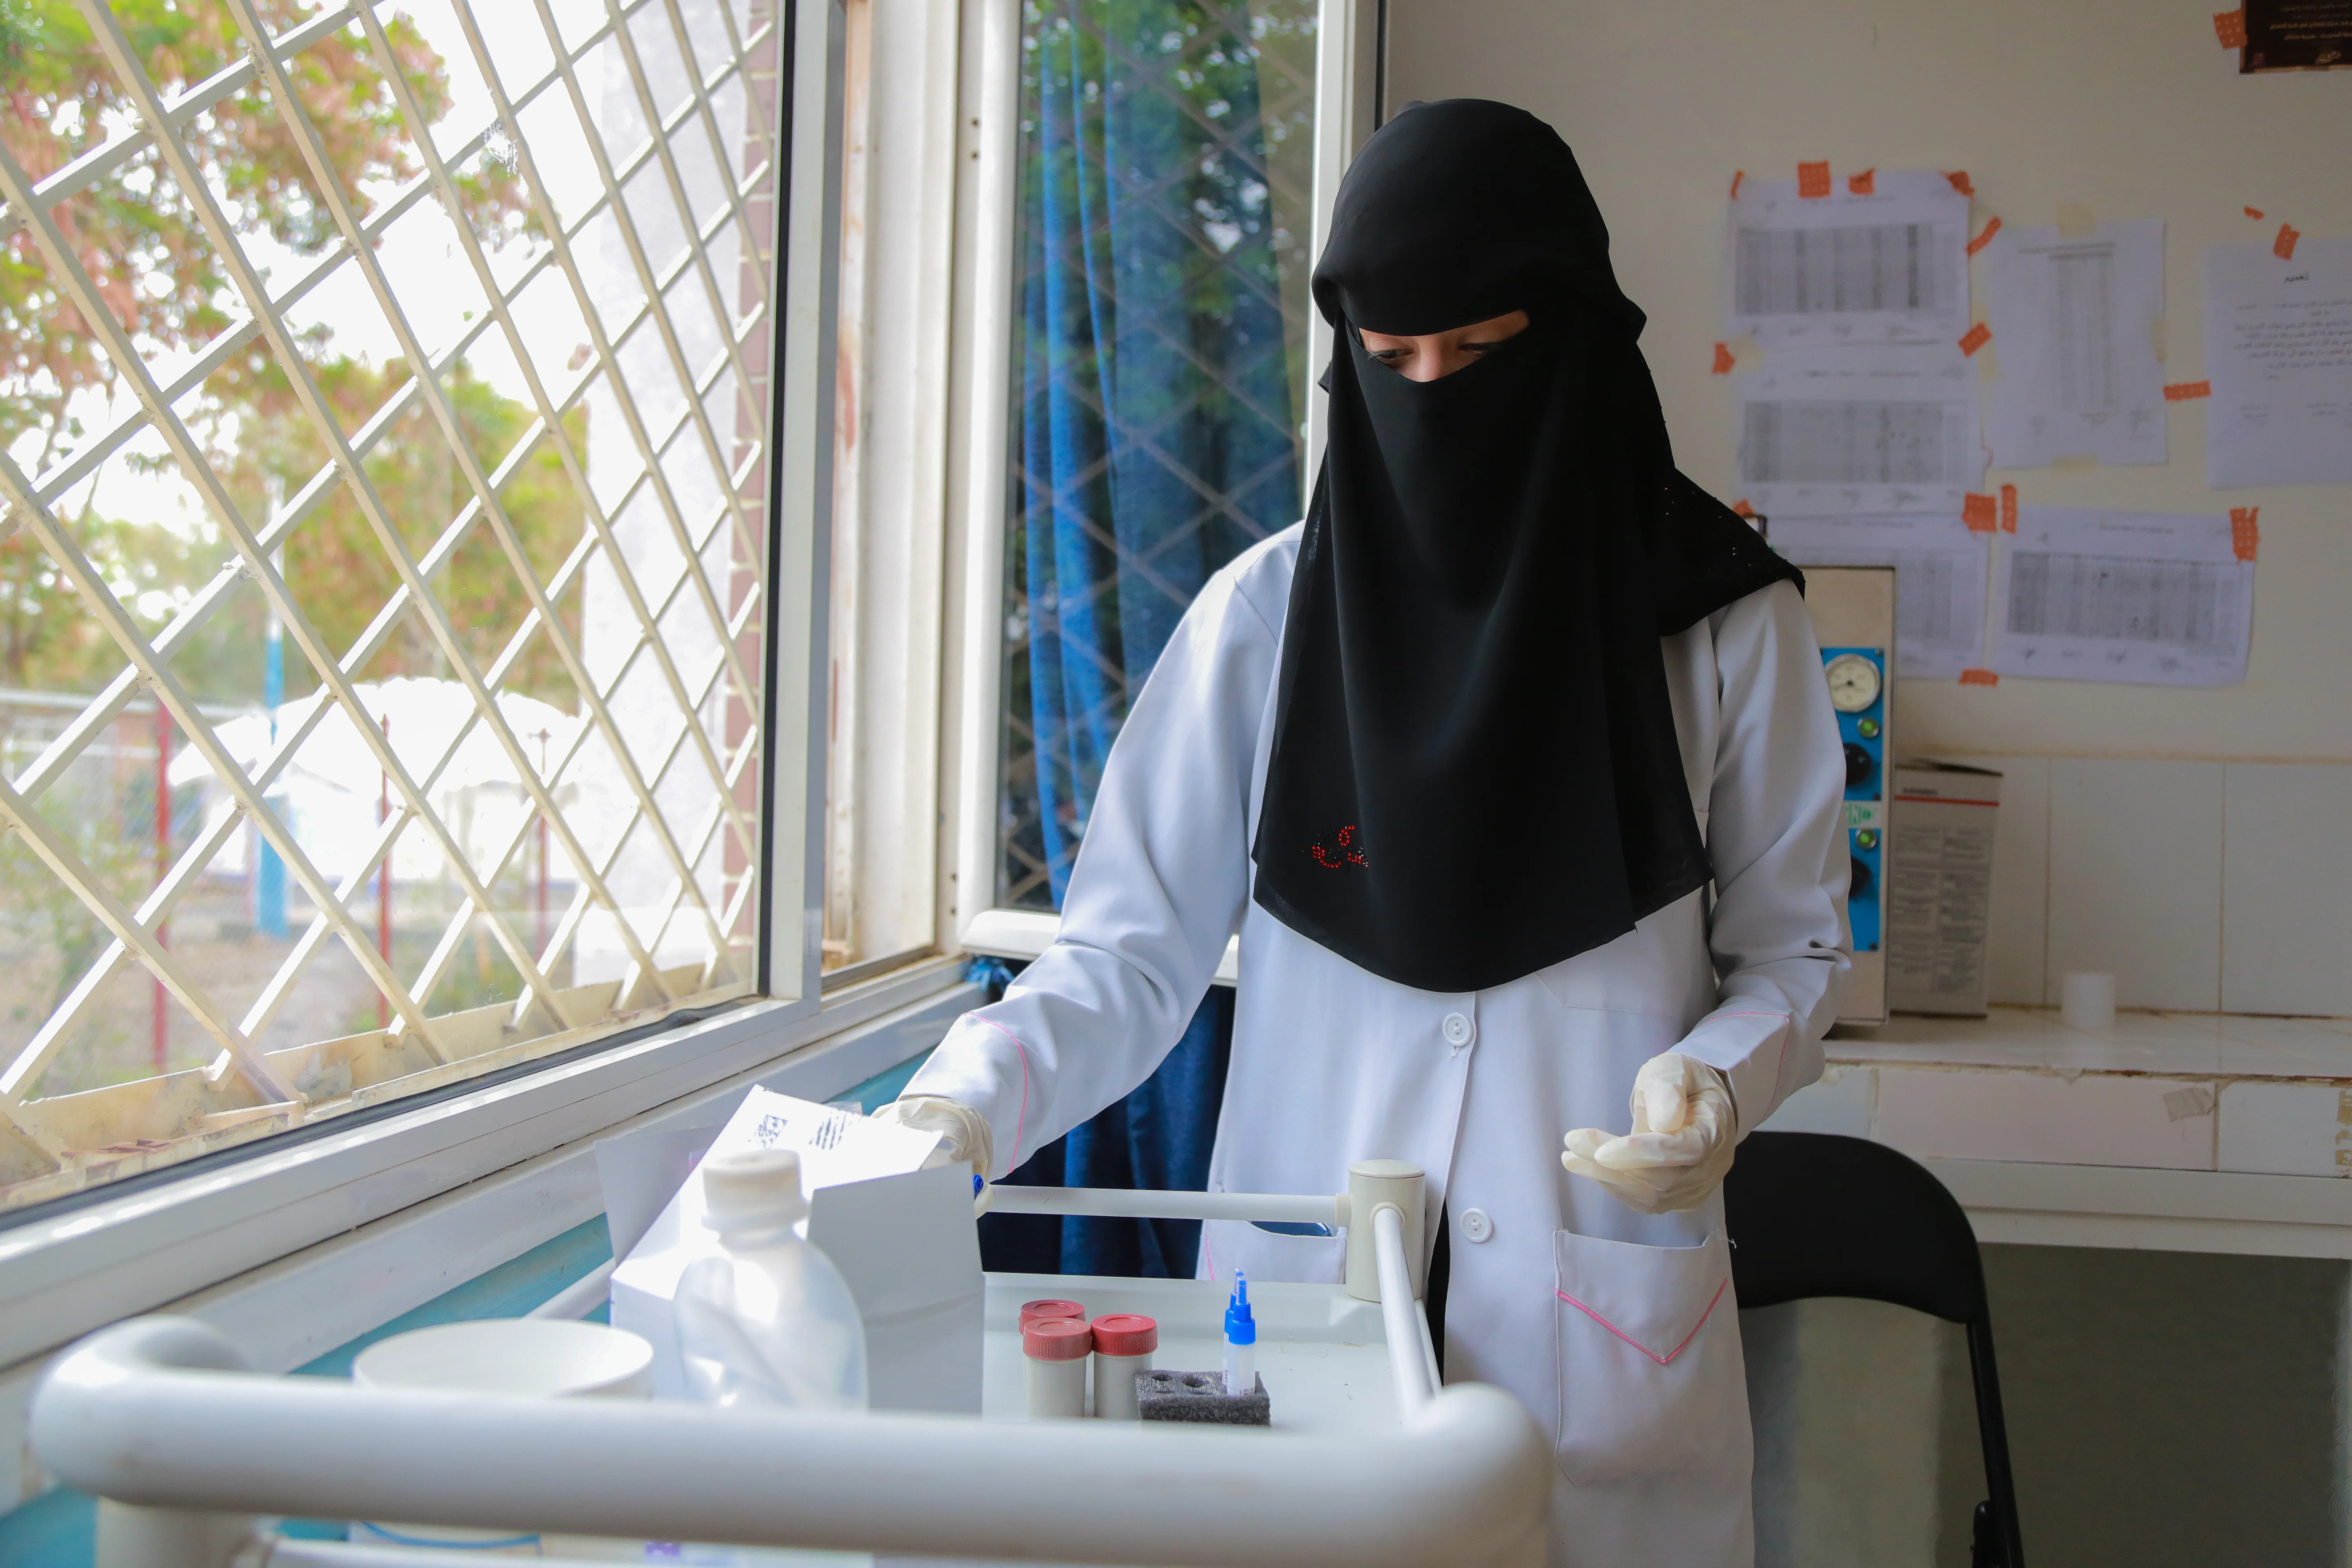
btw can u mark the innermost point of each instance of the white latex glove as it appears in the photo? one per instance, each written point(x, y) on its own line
point(1685, 1128)
point(964, 1137)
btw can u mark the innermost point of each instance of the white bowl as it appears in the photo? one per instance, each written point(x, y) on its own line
point(546, 1357)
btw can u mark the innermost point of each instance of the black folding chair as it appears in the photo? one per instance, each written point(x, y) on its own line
point(1813, 1214)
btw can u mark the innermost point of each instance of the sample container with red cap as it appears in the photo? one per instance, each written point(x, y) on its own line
point(1051, 1308)
point(1055, 1352)
point(1124, 1345)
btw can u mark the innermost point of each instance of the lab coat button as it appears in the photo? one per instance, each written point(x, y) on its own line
point(1457, 1030)
point(1475, 1226)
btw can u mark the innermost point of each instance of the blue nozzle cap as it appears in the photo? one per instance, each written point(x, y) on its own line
point(977, 1183)
point(1241, 1328)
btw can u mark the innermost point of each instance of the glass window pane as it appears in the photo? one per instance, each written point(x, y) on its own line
point(387, 716)
point(1159, 366)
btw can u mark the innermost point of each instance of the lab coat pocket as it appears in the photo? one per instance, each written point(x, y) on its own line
point(1649, 1364)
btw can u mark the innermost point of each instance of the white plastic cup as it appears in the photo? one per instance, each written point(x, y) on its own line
point(545, 1358)
point(2089, 1000)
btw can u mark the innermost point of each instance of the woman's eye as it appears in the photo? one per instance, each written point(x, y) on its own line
point(1387, 356)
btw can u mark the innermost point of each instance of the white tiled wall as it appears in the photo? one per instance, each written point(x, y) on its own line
point(2286, 889)
point(2136, 880)
point(2199, 886)
point(2019, 933)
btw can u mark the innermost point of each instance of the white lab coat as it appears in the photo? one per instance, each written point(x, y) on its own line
point(1615, 1329)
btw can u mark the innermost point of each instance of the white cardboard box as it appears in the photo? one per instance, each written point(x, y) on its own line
point(903, 1237)
point(1939, 901)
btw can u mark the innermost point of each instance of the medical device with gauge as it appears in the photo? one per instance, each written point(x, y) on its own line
point(1854, 682)
point(1853, 616)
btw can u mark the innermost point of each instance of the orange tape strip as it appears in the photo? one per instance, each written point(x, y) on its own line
point(2008, 509)
point(2182, 391)
point(2254, 213)
point(1979, 678)
point(1980, 241)
point(2284, 248)
point(2230, 27)
point(2245, 532)
point(1978, 512)
point(1813, 179)
point(1724, 364)
point(1742, 508)
point(1977, 336)
point(1960, 183)
point(1737, 175)
point(1865, 184)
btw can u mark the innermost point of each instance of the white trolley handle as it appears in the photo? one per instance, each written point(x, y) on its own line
point(152, 1417)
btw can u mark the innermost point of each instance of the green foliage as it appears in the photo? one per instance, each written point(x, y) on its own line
point(337, 569)
point(49, 639)
point(136, 231)
point(35, 905)
point(140, 236)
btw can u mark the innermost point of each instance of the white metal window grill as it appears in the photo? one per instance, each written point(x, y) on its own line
point(494, 875)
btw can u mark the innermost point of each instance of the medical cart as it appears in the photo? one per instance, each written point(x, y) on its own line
point(1370, 1463)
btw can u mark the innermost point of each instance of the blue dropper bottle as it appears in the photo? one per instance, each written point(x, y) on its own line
point(1240, 1341)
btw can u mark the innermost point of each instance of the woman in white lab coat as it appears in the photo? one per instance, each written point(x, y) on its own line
point(1514, 769)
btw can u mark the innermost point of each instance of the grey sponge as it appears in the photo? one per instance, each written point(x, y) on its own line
point(1199, 1396)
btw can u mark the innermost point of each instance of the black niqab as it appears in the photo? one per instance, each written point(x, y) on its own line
point(1475, 772)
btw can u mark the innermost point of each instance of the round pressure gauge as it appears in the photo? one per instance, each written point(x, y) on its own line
point(1853, 682)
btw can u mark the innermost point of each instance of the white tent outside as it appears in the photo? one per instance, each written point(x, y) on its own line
point(330, 794)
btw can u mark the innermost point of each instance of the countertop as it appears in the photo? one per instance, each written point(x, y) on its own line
point(2191, 1131)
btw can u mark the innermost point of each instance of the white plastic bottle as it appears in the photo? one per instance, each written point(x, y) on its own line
point(1241, 1341)
point(767, 1322)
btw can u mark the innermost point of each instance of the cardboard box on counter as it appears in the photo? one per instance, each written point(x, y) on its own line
point(901, 1235)
point(1940, 887)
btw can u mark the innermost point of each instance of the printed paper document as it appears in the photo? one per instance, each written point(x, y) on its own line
point(1940, 572)
point(1890, 266)
point(1859, 431)
point(2074, 323)
point(2146, 598)
point(2278, 350)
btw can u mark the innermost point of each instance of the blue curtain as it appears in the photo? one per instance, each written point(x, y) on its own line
point(1155, 442)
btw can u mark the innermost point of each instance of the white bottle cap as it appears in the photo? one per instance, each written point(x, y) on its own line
point(758, 1189)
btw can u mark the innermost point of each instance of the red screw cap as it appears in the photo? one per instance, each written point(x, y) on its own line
point(1057, 1339)
point(1126, 1333)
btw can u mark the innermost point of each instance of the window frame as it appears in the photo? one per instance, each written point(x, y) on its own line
point(888, 664)
point(1351, 35)
point(77, 1263)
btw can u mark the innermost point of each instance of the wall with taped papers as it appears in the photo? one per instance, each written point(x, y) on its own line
point(2060, 118)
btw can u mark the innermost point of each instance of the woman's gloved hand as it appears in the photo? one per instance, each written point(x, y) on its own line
point(964, 1137)
point(1685, 1127)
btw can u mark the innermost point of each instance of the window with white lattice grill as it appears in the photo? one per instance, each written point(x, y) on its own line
point(385, 438)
